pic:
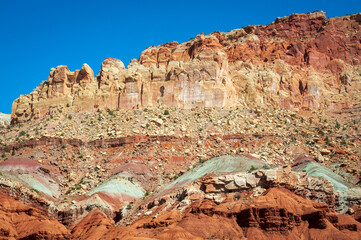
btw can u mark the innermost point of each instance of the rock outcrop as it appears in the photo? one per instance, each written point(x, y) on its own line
point(19, 221)
point(198, 140)
point(300, 62)
point(4, 119)
point(263, 204)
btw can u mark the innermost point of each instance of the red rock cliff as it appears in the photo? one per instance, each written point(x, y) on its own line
point(303, 61)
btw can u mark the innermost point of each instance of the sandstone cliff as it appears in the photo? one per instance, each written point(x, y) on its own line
point(299, 62)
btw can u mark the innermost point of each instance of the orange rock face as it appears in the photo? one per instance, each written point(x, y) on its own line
point(300, 62)
point(19, 221)
point(277, 213)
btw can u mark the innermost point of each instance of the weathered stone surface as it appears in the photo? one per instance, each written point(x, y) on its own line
point(4, 119)
point(19, 221)
point(130, 173)
point(298, 62)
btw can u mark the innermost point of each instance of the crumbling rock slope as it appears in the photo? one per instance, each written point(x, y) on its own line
point(19, 221)
point(299, 62)
point(248, 134)
point(224, 200)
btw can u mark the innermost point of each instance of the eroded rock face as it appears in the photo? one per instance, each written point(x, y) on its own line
point(276, 213)
point(300, 62)
point(229, 196)
point(19, 221)
point(4, 119)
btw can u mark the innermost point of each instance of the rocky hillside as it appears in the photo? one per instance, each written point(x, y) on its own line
point(300, 62)
point(249, 134)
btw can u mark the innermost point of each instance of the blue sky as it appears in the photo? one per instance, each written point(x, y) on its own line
point(39, 35)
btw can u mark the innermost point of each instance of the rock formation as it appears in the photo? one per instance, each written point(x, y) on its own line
point(4, 119)
point(249, 134)
point(19, 221)
point(300, 62)
point(262, 203)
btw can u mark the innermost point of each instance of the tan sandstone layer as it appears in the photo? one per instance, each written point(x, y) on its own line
point(300, 62)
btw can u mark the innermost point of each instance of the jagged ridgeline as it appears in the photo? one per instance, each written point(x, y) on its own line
point(299, 62)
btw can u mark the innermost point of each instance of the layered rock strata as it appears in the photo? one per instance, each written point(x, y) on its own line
point(299, 62)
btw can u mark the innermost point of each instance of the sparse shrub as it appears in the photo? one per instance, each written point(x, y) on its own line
point(180, 197)
point(7, 150)
point(35, 190)
point(67, 105)
point(266, 167)
point(129, 207)
point(70, 117)
point(146, 194)
point(253, 168)
point(110, 112)
point(22, 133)
point(320, 132)
point(175, 177)
point(3, 155)
point(166, 112)
point(63, 147)
point(337, 125)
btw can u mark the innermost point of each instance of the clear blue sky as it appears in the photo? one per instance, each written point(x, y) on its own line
point(38, 35)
